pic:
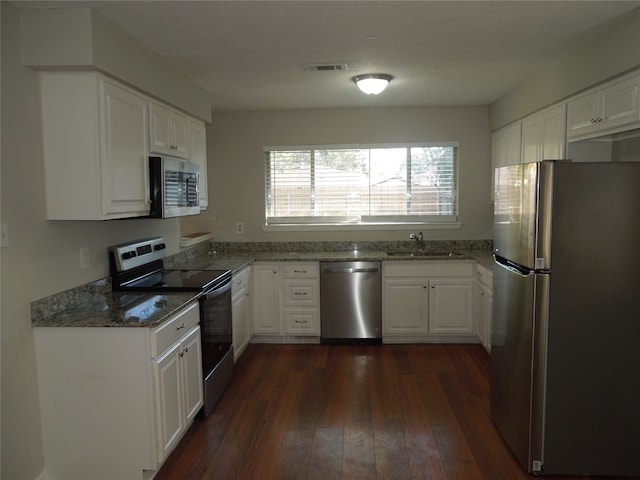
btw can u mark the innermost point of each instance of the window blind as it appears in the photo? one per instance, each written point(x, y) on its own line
point(376, 184)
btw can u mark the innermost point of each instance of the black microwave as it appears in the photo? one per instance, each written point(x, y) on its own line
point(175, 187)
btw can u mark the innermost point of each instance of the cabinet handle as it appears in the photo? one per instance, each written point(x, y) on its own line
point(186, 349)
point(300, 293)
point(424, 286)
point(433, 286)
point(181, 354)
point(180, 327)
point(299, 271)
point(299, 321)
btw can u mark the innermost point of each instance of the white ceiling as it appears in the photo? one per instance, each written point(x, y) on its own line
point(251, 54)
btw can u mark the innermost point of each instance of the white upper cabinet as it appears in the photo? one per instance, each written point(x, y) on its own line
point(169, 131)
point(506, 146)
point(611, 108)
point(199, 157)
point(95, 148)
point(544, 135)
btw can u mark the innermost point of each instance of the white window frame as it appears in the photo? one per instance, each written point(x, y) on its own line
point(363, 222)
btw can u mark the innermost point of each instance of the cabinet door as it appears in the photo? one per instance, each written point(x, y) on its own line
point(507, 146)
point(199, 157)
point(554, 128)
point(532, 139)
point(481, 321)
point(619, 103)
point(180, 135)
point(543, 135)
point(266, 299)
point(124, 165)
point(240, 315)
point(582, 114)
point(488, 315)
point(169, 408)
point(191, 358)
point(406, 303)
point(451, 306)
point(160, 129)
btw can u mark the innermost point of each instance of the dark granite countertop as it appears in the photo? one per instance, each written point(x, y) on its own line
point(235, 261)
point(96, 305)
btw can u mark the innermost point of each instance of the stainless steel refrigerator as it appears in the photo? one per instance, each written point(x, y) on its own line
point(565, 346)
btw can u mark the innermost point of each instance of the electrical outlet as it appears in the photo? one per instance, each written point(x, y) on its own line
point(84, 258)
point(239, 227)
point(4, 235)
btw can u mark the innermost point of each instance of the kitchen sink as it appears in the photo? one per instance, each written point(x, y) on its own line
point(419, 253)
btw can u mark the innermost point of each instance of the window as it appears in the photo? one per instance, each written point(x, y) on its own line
point(378, 184)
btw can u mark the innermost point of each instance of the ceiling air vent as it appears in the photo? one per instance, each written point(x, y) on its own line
point(326, 67)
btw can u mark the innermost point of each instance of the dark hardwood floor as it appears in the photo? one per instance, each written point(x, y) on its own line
point(350, 412)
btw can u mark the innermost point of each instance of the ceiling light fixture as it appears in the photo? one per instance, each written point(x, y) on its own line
point(372, 83)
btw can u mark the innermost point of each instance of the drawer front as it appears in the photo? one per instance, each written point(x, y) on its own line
point(301, 270)
point(165, 335)
point(300, 293)
point(428, 268)
point(300, 321)
point(240, 282)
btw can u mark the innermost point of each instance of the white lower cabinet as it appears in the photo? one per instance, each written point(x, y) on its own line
point(115, 401)
point(427, 301)
point(484, 305)
point(241, 310)
point(286, 300)
point(266, 290)
point(178, 382)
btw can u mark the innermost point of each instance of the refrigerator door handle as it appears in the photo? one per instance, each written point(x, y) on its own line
point(512, 267)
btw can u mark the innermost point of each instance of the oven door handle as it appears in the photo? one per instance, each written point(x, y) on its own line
point(218, 291)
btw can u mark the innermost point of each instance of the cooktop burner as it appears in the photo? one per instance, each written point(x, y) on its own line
point(139, 266)
point(180, 280)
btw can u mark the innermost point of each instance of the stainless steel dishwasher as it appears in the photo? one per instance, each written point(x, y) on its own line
point(351, 302)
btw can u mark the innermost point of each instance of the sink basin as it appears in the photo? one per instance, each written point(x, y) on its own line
point(417, 253)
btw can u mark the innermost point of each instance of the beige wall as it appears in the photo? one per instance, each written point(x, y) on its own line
point(82, 38)
point(43, 256)
point(612, 52)
point(236, 163)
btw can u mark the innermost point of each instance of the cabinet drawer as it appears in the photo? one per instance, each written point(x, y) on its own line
point(169, 332)
point(240, 282)
point(297, 292)
point(301, 270)
point(302, 321)
point(430, 268)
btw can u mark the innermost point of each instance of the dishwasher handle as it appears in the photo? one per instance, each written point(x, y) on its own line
point(350, 270)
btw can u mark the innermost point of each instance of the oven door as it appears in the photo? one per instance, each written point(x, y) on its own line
point(215, 325)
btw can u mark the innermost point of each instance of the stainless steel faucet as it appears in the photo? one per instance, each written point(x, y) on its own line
point(419, 239)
